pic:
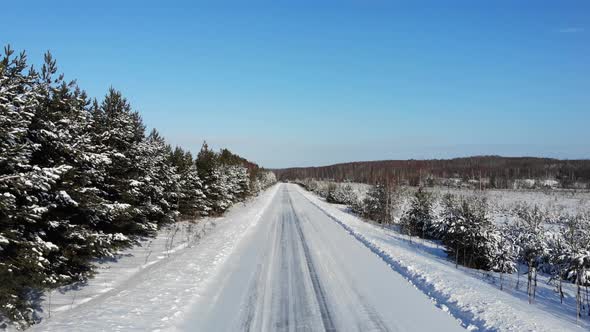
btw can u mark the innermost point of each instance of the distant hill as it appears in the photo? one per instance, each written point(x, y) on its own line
point(488, 171)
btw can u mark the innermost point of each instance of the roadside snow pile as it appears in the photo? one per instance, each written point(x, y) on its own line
point(468, 294)
point(124, 266)
point(150, 286)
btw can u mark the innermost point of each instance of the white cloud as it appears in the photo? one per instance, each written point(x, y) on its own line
point(571, 30)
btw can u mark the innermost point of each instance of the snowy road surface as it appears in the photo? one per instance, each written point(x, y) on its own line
point(301, 271)
point(276, 263)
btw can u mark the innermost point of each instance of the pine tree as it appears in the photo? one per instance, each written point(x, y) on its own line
point(44, 214)
point(450, 227)
point(263, 180)
point(120, 131)
point(417, 221)
point(19, 266)
point(342, 194)
point(191, 199)
point(559, 254)
point(242, 183)
point(375, 204)
point(576, 234)
point(481, 237)
point(60, 132)
point(206, 163)
point(532, 244)
point(330, 196)
point(470, 237)
point(445, 218)
point(156, 186)
point(503, 254)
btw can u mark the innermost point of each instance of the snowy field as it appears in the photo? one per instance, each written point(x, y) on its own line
point(470, 295)
point(501, 203)
point(559, 202)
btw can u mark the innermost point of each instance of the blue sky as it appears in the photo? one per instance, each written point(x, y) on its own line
point(320, 82)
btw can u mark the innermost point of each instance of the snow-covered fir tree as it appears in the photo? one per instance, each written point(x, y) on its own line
point(262, 180)
point(342, 194)
point(576, 234)
point(417, 220)
point(119, 131)
point(531, 242)
point(468, 234)
point(206, 163)
point(191, 199)
point(503, 253)
point(156, 185)
point(375, 204)
point(445, 218)
point(559, 254)
point(20, 257)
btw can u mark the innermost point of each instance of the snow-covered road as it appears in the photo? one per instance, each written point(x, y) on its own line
point(276, 263)
point(301, 271)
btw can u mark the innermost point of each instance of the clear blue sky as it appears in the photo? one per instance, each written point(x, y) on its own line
point(292, 83)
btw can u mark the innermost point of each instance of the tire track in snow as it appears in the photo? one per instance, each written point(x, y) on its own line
point(277, 297)
point(283, 318)
point(257, 293)
point(374, 318)
point(327, 319)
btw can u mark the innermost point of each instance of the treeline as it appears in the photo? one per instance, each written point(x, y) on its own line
point(80, 179)
point(529, 239)
point(483, 171)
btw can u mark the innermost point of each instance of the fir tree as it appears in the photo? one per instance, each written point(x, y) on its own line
point(375, 204)
point(417, 221)
point(576, 234)
point(192, 200)
point(155, 188)
point(120, 131)
point(503, 255)
point(532, 244)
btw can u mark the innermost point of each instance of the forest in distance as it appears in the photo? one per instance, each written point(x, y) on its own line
point(479, 171)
